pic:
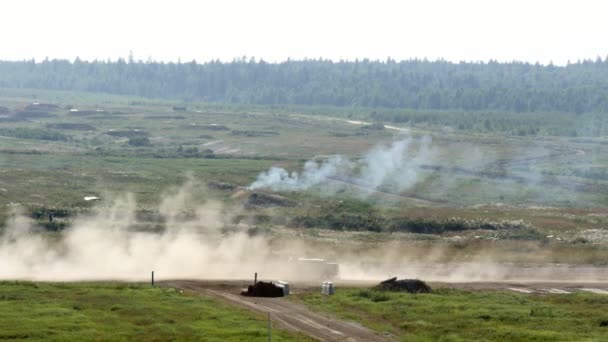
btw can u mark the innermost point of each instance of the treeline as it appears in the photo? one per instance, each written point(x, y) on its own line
point(414, 84)
point(33, 133)
point(363, 222)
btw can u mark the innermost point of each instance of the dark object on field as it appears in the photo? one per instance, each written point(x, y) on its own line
point(139, 141)
point(11, 118)
point(179, 108)
point(163, 117)
point(221, 185)
point(209, 127)
point(373, 127)
point(33, 114)
point(131, 133)
point(259, 199)
point(50, 218)
point(263, 289)
point(72, 126)
point(403, 285)
point(36, 107)
point(253, 134)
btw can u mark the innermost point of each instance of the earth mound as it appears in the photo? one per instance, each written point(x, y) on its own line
point(260, 199)
point(263, 289)
point(403, 285)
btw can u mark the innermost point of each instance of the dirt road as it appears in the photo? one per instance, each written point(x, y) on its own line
point(284, 313)
point(295, 317)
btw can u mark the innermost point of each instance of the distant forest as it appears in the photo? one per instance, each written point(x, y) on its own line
point(580, 87)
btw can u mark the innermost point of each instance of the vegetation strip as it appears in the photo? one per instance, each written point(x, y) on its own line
point(122, 311)
point(464, 315)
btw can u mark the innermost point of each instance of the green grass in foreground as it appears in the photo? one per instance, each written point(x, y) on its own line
point(455, 315)
point(115, 312)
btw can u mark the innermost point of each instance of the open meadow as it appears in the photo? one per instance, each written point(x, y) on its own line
point(99, 187)
point(335, 171)
point(459, 315)
point(458, 181)
point(122, 312)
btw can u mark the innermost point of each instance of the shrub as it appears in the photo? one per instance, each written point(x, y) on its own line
point(139, 141)
point(72, 126)
point(128, 133)
point(33, 133)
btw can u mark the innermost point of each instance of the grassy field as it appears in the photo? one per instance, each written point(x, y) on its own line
point(456, 315)
point(122, 312)
point(62, 180)
point(482, 194)
point(476, 184)
point(468, 167)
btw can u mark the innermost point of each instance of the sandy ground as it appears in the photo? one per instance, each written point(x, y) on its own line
point(296, 317)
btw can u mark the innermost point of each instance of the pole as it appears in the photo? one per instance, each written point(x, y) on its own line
point(255, 280)
point(269, 333)
point(152, 278)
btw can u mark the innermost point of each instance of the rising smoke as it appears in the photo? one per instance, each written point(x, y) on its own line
point(396, 164)
point(200, 239)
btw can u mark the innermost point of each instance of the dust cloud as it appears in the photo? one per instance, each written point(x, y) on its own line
point(200, 240)
point(105, 244)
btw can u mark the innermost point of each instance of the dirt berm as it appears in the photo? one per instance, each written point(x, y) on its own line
point(221, 185)
point(263, 289)
point(403, 285)
point(260, 199)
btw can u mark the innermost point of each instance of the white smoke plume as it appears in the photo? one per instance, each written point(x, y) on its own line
point(396, 164)
point(313, 174)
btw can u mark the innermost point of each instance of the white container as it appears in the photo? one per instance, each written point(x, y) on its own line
point(327, 288)
point(284, 285)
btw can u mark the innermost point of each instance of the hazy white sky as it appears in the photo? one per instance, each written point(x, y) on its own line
point(532, 30)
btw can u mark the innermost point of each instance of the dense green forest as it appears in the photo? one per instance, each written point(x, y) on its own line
point(580, 87)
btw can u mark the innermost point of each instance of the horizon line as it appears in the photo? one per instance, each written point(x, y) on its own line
point(248, 59)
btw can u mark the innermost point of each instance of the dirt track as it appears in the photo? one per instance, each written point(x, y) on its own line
point(284, 313)
point(296, 317)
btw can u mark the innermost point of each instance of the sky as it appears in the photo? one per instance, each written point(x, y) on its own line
point(274, 30)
